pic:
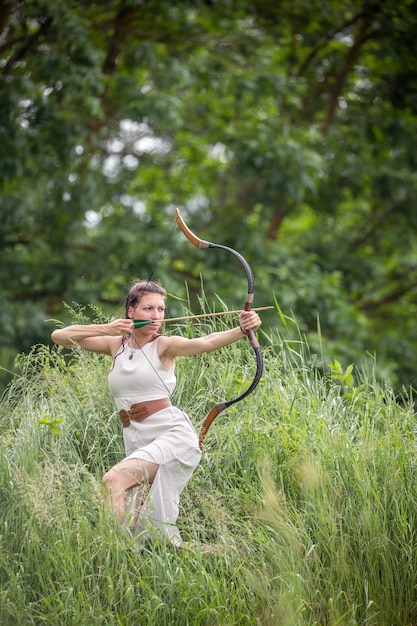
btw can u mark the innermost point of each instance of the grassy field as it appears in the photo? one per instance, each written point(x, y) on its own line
point(308, 488)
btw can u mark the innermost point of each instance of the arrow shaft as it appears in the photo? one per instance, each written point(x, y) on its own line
point(140, 323)
point(220, 313)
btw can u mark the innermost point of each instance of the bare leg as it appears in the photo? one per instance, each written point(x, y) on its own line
point(123, 476)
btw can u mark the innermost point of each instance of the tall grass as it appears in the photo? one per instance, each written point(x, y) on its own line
point(308, 488)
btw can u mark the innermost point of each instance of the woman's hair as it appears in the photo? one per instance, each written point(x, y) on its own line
point(138, 289)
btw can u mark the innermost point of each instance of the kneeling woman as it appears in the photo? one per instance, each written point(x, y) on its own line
point(161, 444)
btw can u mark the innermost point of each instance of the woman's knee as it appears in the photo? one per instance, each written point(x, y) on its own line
point(109, 478)
point(129, 474)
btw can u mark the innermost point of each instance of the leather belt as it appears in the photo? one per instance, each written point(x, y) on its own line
point(141, 410)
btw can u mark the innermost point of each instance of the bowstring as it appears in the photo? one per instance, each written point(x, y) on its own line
point(162, 252)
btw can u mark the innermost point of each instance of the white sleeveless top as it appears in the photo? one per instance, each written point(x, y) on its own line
point(138, 375)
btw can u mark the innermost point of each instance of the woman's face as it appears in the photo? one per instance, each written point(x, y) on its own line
point(151, 306)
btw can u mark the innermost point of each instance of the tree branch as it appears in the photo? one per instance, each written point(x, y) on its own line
point(5, 12)
point(341, 78)
point(368, 230)
point(389, 298)
point(27, 46)
point(121, 23)
point(326, 39)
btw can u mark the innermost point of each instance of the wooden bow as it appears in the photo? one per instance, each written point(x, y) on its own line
point(221, 406)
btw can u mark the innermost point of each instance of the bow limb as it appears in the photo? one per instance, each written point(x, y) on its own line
point(204, 245)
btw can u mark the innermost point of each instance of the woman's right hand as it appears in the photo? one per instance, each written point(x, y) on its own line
point(120, 327)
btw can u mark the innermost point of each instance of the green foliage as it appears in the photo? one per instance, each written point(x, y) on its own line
point(308, 487)
point(284, 130)
point(346, 377)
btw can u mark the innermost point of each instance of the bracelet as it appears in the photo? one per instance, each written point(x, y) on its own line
point(243, 331)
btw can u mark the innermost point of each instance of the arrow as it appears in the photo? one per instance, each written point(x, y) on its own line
point(141, 323)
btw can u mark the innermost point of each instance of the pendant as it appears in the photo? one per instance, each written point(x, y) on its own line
point(131, 356)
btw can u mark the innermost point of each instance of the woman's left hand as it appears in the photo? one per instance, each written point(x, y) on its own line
point(249, 320)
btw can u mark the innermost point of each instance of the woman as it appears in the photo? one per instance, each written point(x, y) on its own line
point(161, 444)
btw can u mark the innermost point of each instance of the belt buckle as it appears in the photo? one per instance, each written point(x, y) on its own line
point(125, 418)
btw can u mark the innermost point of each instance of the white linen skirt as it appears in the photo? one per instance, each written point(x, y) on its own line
point(168, 439)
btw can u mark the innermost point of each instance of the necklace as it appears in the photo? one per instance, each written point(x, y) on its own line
point(132, 349)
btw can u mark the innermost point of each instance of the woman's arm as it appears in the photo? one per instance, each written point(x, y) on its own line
point(93, 337)
point(172, 347)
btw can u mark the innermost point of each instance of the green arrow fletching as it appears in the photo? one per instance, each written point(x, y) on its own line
point(141, 323)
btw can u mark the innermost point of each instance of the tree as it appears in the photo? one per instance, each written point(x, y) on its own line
point(293, 121)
